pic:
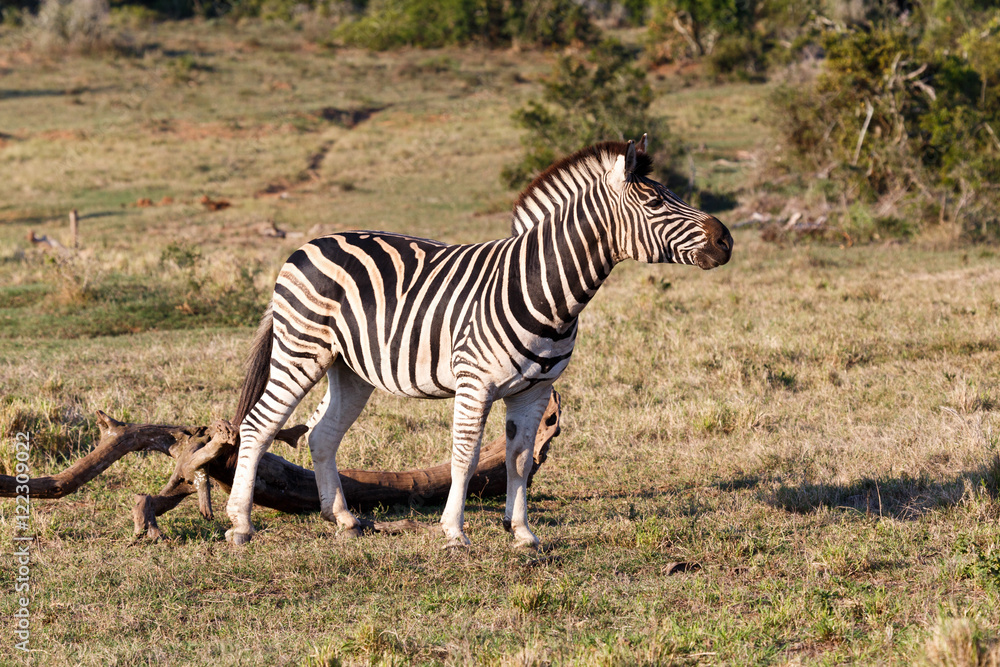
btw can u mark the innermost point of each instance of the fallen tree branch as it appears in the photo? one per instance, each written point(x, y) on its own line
point(205, 453)
point(46, 242)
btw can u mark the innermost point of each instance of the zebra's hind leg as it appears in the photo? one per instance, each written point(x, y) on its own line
point(345, 399)
point(285, 388)
point(524, 413)
point(472, 407)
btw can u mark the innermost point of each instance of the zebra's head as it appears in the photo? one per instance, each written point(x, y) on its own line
point(653, 224)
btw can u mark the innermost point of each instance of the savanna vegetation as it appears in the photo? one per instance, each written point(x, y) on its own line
point(792, 459)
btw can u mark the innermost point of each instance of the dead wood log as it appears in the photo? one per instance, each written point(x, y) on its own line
point(205, 453)
point(44, 241)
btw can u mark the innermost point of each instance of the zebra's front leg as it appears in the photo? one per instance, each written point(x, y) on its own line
point(524, 413)
point(472, 407)
point(346, 397)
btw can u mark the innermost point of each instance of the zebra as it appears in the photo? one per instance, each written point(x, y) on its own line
point(478, 322)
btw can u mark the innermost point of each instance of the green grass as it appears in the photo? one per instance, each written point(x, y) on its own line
point(816, 428)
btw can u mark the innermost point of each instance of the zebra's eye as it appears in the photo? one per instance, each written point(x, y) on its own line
point(655, 203)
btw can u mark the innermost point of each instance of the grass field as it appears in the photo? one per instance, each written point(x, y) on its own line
point(813, 429)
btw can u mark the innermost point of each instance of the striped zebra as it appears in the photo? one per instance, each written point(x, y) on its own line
point(478, 322)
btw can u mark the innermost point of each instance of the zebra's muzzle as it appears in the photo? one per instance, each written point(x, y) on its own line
point(707, 262)
point(718, 247)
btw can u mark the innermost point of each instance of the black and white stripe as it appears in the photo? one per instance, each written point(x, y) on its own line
point(480, 322)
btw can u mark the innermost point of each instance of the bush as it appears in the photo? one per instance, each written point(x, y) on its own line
point(287, 10)
point(961, 641)
point(741, 56)
point(395, 23)
point(78, 25)
point(549, 23)
point(603, 97)
point(13, 17)
point(739, 38)
point(891, 119)
point(142, 12)
point(19, 6)
point(425, 23)
point(134, 17)
point(177, 9)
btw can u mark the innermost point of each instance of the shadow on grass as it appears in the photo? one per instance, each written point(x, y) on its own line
point(12, 93)
point(194, 530)
point(740, 483)
point(180, 53)
point(902, 497)
point(50, 217)
point(29, 219)
point(349, 118)
point(716, 202)
point(101, 214)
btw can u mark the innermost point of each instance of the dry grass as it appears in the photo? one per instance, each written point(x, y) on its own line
point(959, 642)
point(816, 428)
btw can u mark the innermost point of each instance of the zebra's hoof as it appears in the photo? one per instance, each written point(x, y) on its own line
point(460, 542)
point(506, 526)
point(525, 540)
point(350, 533)
point(362, 527)
point(237, 539)
point(527, 545)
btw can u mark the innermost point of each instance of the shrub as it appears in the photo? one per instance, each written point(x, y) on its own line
point(894, 121)
point(737, 37)
point(142, 12)
point(602, 97)
point(134, 17)
point(287, 10)
point(632, 12)
point(394, 23)
point(13, 17)
point(741, 55)
point(177, 9)
point(548, 23)
point(78, 25)
point(960, 641)
point(13, 11)
point(426, 23)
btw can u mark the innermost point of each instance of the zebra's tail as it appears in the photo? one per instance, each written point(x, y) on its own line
point(258, 367)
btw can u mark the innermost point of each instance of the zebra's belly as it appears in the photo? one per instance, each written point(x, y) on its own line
point(501, 378)
point(532, 375)
point(426, 390)
point(423, 384)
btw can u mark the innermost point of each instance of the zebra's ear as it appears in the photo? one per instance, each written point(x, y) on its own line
point(624, 166)
point(640, 146)
point(630, 158)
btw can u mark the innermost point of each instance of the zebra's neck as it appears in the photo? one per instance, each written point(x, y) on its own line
point(568, 249)
point(548, 197)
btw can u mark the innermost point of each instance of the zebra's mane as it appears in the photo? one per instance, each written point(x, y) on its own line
point(595, 156)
